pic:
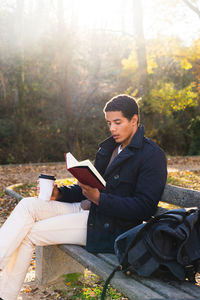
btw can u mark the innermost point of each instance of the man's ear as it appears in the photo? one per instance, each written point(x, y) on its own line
point(134, 120)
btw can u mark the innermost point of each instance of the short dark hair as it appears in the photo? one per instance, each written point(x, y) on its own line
point(124, 103)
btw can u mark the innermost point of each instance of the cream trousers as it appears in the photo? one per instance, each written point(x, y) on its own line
point(36, 222)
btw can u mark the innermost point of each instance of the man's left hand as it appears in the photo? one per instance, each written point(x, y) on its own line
point(90, 193)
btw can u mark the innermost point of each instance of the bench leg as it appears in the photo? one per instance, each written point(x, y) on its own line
point(51, 263)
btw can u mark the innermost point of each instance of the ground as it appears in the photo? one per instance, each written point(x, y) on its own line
point(12, 174)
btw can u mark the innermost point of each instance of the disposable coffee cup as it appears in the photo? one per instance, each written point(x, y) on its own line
point(46, 186)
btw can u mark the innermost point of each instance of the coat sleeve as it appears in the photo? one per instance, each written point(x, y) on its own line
point(71, 193)
point(146, 195)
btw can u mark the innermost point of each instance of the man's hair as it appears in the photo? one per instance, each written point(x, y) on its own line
point(124, 103)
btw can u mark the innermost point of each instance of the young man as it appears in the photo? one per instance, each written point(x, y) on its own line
point(134, 168)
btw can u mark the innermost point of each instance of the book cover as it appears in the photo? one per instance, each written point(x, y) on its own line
point(84, 171)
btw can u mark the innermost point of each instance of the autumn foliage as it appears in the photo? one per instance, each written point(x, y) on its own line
point(54, 85)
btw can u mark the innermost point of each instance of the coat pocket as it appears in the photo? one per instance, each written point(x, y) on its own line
point(121, 185)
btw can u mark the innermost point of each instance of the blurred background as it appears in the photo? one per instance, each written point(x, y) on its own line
point(61, 60)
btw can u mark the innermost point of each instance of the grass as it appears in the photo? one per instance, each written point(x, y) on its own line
point(85, 286)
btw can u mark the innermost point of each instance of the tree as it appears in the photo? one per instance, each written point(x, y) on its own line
point(140, 47)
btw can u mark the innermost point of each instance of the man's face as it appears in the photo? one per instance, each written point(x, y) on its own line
point(121, 128)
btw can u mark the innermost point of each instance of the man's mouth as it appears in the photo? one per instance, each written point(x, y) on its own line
point(115, 136)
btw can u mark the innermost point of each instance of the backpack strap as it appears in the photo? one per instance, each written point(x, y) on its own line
point(118, 268)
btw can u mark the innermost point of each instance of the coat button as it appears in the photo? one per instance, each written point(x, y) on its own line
point(90, 224)
point(106, 225)
point(116, 176)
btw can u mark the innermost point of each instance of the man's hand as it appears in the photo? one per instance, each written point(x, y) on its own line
point(90, 193)
point(56, 194)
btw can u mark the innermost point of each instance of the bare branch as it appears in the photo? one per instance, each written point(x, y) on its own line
point(192, 7)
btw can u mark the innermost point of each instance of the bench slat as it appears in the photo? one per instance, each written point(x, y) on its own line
point(164, 288)
point(188, 287)
point(181, 196)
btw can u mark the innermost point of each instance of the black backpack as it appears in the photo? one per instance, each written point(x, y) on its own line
point(168, 243)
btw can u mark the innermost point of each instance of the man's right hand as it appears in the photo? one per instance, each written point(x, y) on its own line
point(56, 194)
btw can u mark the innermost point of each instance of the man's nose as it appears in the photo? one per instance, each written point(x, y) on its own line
point(112, 128)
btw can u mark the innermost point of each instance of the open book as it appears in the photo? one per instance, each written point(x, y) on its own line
point(84, 171)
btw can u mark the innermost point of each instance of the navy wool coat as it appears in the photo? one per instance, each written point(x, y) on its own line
point(135, 181)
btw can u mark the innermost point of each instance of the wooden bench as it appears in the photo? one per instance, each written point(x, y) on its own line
point(53, 261)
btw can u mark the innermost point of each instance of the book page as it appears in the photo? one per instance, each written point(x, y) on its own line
point(70, 160)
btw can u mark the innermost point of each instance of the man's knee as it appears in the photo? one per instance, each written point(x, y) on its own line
point(29, 241)
point(27, 203)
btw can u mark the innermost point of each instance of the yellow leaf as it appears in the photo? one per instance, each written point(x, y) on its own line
point(186, 65)
point(151, 65)
point(130, 64)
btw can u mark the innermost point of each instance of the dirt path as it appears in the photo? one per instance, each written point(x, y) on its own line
point(180, 163)
point(12, 174)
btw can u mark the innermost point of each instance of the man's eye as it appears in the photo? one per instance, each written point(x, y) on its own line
point(118, 123)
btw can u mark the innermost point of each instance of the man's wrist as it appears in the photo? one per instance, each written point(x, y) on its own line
point(97, 198)
point(59, 195)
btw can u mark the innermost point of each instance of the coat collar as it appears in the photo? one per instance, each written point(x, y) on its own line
point(110, 144)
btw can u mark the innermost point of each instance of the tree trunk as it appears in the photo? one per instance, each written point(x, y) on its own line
point(140, 47)
point(65, 59)
point(19, 63)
